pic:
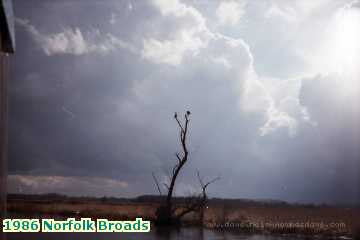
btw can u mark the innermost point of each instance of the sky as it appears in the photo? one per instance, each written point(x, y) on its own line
point(272, 86)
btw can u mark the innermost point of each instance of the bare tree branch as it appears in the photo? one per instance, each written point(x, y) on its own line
point(200, 179)
point(174, 168)
point(212, 181)
point(157, 183)
point(204, 186)
point(178, 157)
point(193, 205)
point(166, 185)
point(177, 120)
point(181, 160)
point(196, 203)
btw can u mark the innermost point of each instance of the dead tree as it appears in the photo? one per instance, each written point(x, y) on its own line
point(204, 195)
point(165, 214)
point(197, 203)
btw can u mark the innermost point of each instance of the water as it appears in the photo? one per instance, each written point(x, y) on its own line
point(185, 233)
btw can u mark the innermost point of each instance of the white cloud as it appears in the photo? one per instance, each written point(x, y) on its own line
point(167, 7)
point(72, 41)
point(278, 119)
point(285, 12)
point(235, 57)
point(278, 100)
point(69, 41)
point(289, 113)
point(188, 38)
point(176, 8)
point(171, 51)
point(230, 12)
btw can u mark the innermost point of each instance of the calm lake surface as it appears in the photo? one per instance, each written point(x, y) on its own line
point(185, 233)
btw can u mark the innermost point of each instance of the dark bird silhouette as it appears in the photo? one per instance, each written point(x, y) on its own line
point(175, 115)
point(188, 112)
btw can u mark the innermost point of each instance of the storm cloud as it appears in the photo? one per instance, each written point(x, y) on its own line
point(95, 85)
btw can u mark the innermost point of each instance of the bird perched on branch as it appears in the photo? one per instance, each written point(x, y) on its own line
point(188, 112)
point(175, 115)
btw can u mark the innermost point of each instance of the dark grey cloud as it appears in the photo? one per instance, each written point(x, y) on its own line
point(92, 98)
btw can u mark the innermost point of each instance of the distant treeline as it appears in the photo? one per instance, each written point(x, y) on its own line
point(54, 197)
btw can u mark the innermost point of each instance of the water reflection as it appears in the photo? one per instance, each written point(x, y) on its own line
point(157, 234)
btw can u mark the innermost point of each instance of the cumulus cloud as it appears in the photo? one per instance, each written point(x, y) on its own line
point(170, 52)
point(284, 12)
point(278, 119)
point(225, 51)
point(187, 38)
point(278, 101)
point(72, 41)
point(230, 12)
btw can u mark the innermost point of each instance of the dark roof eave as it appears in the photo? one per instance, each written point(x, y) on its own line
point(7, 26)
